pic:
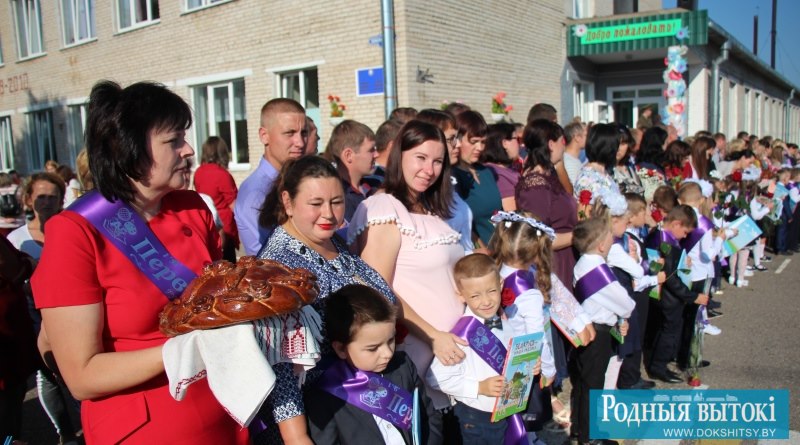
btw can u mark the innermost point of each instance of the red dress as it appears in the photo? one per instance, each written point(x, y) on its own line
point(217, 182)
point(78, 266)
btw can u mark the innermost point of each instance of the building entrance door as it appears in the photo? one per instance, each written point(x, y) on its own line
point(627, 103)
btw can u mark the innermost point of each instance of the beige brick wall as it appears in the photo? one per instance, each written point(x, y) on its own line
point(474, 49)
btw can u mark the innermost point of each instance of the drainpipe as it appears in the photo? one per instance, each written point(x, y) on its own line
point(715, 87)
point(787, 115)
point(389, 75)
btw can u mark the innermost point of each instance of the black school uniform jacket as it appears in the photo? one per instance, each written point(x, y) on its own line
point(331, 420)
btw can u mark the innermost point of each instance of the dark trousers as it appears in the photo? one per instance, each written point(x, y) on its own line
point(477, 426)
point(590, 372)
point(667, 336)
point(687, 330)
point(229, 250)
point(11, 398)
point(793, 237)
point(630, 373)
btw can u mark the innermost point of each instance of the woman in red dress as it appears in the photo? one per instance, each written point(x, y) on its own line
point(99, 310)
point(213, 179)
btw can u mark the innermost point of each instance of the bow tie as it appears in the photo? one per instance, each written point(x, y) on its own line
point(493, 323)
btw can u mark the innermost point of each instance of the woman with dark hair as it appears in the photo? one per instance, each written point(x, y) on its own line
point(602, 146)
point(624, 173)
point(306, 205)
point(700, 163)
point(113, 260)
point(676, 156)
point(502, 156)
point(476, 183)
point(650, 160)
point(402, 233)
point(540, 192)
point(213, 179)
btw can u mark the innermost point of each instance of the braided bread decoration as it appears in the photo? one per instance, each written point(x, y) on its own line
point(227, 293)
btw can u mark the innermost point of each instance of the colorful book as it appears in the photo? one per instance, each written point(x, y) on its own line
point(684, 271)
point(748, 231)
point(563, 326)
point(523, 352)
point(415, 425)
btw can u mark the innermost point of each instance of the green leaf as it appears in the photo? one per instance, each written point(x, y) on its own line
point(654, 293)
point(685, 271)
point(655, 267)
point(665, 248)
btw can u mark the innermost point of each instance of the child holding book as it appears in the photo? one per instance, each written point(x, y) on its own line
point(366, 393)
point(532, 295)
point(630, 375)
point(674, 294)
point(608, 306)
point(475, 383)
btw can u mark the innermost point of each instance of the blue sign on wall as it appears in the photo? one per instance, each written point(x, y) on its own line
point(369, 81)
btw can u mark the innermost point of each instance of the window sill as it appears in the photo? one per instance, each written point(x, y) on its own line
point(138, 26)
point(79, 43)
point(203, 8)
point(31, 57)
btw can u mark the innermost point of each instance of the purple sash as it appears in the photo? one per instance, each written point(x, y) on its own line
point(659, 237)
point(492, 351)
point(126, 230)
point(703, 225)
point(589, 284)
point(370, 392)
point(518, 282)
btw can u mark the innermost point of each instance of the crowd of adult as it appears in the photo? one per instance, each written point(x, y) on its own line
point(393, 209)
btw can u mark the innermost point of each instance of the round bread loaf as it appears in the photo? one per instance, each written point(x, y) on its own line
point(227, 293)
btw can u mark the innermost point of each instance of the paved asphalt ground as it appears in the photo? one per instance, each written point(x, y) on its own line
point(757, 349)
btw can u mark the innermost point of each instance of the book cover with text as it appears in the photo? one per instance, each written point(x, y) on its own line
point(523, 352)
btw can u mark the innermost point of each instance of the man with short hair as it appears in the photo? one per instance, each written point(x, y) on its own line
point(542, 111)
point(352, 149)
point(283, 133)
point(575, 138)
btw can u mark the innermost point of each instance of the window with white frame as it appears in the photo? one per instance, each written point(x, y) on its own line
point(76, 124)
point(583, 101)
point(28, 24)
point(732, 109)
point(6, 144)
point(135, 13)
point(40, 141)
point(197, 4)
point(1, 52)
point(303, 86)
point(77, 17)
point(220, 110)
point(582, 9)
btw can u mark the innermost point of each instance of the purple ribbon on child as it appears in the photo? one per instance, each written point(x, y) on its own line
point(591, 283)
point(127, 231)
point(369, 392)
point(703, 226)
point(659, 237)
point(518, 282)
point(492, 351)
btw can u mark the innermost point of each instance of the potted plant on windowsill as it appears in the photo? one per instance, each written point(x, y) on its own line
point(499, 108)
point(337, 109)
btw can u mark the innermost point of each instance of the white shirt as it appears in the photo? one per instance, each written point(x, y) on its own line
point(461, 381)
point(617, 257)
point(608, 304)
point(389, 432)
point(573, 166)
point(526, 316)
point(21, 239)
point(702, 255)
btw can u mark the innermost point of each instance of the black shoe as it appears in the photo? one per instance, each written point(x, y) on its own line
point(602, 442)
point(713, 314)
point(714, 304)
point(642, 384)
point(666, 376)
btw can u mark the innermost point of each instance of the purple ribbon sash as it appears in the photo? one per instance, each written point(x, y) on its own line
point(703, 225)
point(126, 230)
point(369, 392)
point(518, 282)
point(591, 283)
point(659, 237)
point(492, 351)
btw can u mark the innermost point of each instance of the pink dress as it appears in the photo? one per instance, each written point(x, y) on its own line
point(423, 274)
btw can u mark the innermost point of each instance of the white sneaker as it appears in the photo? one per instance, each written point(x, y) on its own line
point(710, 329)
point(748, 273)
point(731, 279)
point(742, 283)
point(749, 267)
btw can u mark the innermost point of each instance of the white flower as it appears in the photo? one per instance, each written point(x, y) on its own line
point(615, 202)
point(579, 30)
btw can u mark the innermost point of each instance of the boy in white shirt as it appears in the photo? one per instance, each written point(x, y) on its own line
point(606, 302)
point(474, 383)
